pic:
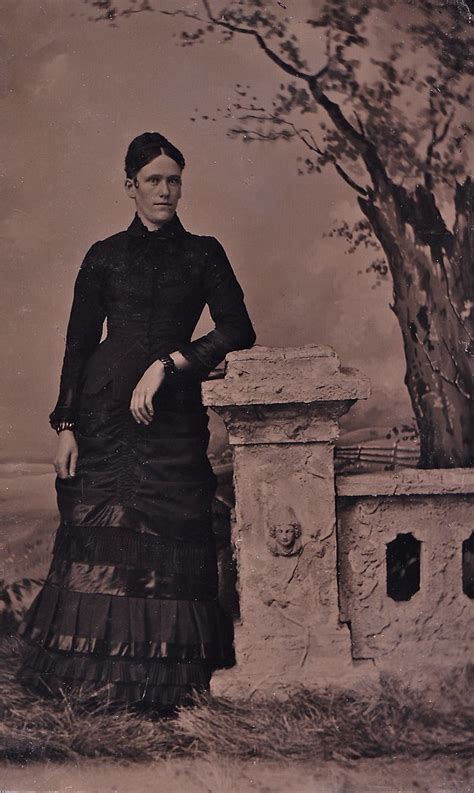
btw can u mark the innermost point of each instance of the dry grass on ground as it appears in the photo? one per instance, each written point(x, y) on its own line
point(387, 720)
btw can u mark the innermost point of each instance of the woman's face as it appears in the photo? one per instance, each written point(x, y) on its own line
point(285, 535)
point(156, 190)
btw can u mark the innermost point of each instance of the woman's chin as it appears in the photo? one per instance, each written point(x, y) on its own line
point(163, 216)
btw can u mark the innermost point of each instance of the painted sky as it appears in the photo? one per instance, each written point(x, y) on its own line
point(73, 95)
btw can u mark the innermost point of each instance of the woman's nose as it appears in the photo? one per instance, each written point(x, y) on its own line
point(163, 187)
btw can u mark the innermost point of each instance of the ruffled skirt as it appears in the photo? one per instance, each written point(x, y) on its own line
point(129, 606)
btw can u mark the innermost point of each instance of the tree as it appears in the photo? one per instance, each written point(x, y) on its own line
point(395, 130)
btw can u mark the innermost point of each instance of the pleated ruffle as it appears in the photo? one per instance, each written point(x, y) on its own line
point(127, 564)
point(126, 581)
point(120, 681)
point(130, 602)
point(111, 545)
point(123, 627)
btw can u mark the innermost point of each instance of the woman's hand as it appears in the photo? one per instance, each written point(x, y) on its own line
point(141, 404)
point(66, 455)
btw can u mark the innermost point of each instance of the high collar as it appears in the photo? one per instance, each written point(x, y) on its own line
point(174, 228)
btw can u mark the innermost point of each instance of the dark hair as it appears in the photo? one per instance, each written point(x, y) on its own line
point(145, 148)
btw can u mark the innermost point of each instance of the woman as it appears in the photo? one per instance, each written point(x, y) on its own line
point(130, 599)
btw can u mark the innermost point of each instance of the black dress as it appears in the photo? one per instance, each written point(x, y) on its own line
point(129, 602)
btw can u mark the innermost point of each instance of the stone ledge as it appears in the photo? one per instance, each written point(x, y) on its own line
point(282, 376)
point(407, 482)
point(261, 354)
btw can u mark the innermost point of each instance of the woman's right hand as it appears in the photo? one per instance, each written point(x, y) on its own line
point(66, 455)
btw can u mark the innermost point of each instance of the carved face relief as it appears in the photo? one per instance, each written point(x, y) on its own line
point(285, 539)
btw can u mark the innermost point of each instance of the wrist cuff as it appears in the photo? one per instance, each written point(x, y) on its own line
point(169, 366)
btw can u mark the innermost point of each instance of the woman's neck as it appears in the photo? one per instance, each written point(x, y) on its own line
point(153, 226)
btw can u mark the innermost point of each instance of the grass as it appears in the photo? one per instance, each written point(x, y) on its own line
point(383, 720)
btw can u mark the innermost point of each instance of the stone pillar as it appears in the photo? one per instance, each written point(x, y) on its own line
point(282, 409)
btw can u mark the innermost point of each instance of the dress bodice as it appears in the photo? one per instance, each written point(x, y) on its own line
point(151, 287)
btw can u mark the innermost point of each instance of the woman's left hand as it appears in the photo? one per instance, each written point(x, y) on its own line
point(141, 404)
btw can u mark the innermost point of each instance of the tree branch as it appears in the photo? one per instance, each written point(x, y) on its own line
point(349, 180)
point(451, 302)
point(309, 142)
point(255, 134)
point(185, 14)
point(366, 149)
point(436, 139)
point(300, 132)
point(284, 65)
point(361, 126)
point(436, 370)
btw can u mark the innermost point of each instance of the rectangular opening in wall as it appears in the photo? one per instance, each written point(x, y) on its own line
point(403, 567)
point(468, 566)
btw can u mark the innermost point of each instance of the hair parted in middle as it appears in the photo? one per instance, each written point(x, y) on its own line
point(144, 148)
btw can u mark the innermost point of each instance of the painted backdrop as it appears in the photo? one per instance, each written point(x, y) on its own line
point(74, 93)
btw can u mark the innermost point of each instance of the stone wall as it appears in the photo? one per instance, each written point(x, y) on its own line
point(331, 595)
point(400, 544)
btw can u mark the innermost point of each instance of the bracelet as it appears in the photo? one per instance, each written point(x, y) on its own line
point(169, 365)
point(65, 425)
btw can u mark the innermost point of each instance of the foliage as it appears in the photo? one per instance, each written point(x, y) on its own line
point(412, 109)
point(14, 597)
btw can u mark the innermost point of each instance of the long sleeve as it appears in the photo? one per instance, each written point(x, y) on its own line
point(83, 335)
point(233, 328)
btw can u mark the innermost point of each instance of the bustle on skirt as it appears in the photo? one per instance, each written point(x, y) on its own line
point(129, 606)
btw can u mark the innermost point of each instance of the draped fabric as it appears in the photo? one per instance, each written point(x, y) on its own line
point(130, 600)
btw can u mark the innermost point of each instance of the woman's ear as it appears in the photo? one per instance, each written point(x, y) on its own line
point(130, 188)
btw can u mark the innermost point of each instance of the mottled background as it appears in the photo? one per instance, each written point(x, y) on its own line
point(74, 93)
